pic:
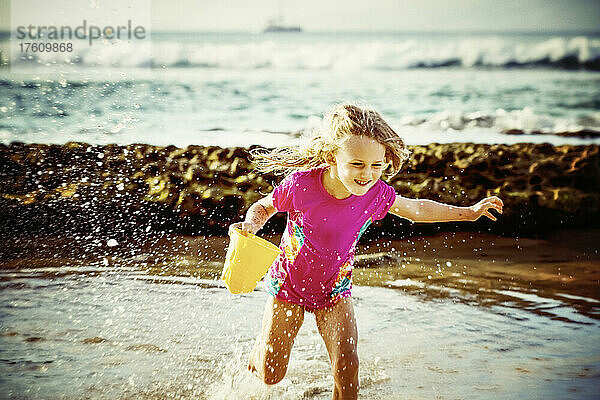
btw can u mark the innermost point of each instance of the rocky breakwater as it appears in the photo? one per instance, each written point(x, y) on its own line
point(543, 187)
point(138, 188)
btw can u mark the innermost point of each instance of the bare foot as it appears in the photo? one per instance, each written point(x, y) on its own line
point(253, 359)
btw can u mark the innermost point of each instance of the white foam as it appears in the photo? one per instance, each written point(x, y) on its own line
point(392, 53)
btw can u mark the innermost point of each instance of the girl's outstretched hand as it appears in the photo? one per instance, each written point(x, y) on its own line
point(244, 226)
point(482, 208)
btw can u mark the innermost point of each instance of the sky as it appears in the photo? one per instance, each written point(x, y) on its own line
point(364, 15)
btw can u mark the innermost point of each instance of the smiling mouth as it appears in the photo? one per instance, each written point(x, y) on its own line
point(362, 183)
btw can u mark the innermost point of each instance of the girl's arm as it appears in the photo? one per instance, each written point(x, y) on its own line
point(257, 215)
point(420, 210)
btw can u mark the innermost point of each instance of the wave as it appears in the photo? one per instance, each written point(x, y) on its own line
point(514, 122)
point(581, 52)
point(524, 121)
point(501, 126)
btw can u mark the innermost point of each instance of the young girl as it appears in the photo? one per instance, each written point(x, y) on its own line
point(331, 195)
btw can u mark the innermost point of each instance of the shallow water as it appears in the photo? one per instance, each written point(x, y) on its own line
point(459, 316)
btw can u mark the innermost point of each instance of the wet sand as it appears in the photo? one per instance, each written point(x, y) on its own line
point(471, 267)
point(481, 269)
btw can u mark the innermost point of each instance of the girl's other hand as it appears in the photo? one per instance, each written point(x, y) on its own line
point(482, 208)
point(244, 227)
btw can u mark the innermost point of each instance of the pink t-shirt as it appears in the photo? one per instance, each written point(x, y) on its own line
point(318, 245)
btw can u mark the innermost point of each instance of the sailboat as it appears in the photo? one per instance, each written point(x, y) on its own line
point(277, 24)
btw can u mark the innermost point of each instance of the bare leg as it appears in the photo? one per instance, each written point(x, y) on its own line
point(337, 326)
point(271, 353)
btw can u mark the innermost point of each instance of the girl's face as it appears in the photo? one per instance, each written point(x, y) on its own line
point(357, 167)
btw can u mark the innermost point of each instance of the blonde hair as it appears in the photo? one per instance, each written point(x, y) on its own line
point(340, 123)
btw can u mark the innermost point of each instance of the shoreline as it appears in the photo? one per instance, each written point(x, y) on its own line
point(482, 269)
point(198, 190)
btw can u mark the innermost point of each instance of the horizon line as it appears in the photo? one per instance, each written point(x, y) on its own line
point(359, 31)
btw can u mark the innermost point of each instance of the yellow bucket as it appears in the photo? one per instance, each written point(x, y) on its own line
point(248, 259)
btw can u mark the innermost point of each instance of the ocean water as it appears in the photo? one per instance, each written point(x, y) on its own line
point(448, 317)
point(242, 89)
